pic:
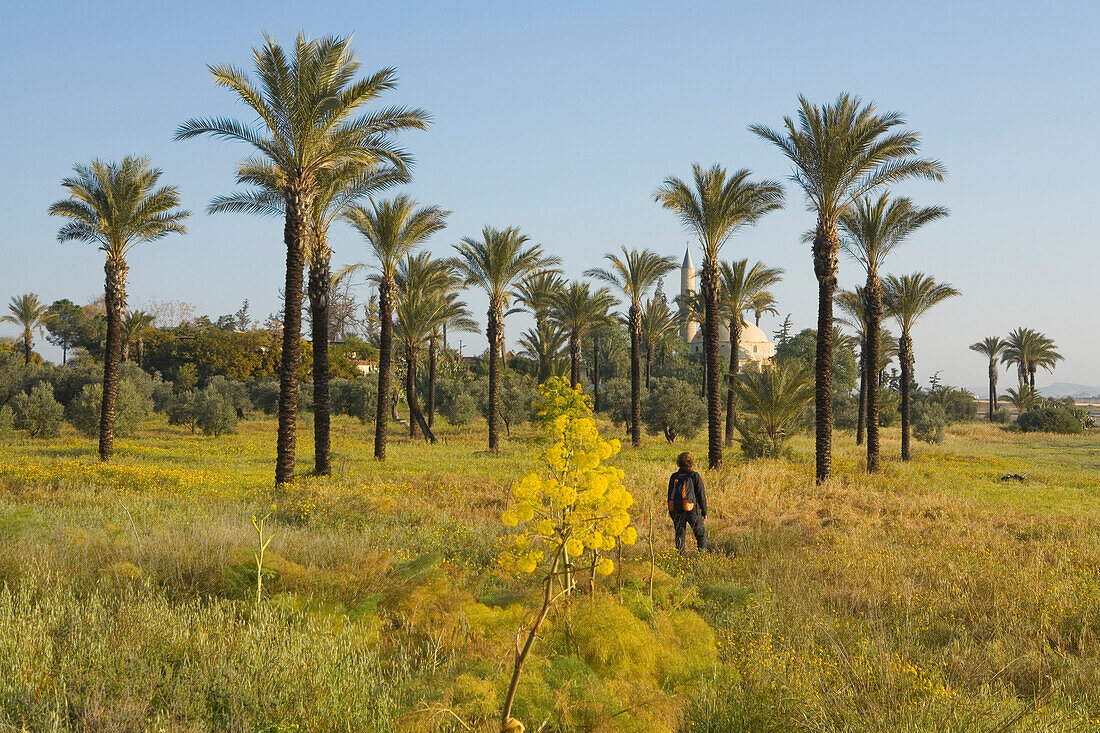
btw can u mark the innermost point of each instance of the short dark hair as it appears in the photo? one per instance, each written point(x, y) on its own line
point(685, 460)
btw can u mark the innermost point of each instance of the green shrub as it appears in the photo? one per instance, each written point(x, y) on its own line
point(236, 393)
point(181, 410)
point(131, 407)
point(7, 422)
point(356, 397)
point(215, 413)
point(264, 395)
point(673, 408)
point(1050, 419)
point(929, 421)
point(455, 402)
point(1000, 415)
point(517, 393)
point(38, 412)
point(888, 401)
point(845, 411)
point(615, 400)
point(756, 443)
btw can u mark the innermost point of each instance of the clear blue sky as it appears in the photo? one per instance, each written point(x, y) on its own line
point(562, 118)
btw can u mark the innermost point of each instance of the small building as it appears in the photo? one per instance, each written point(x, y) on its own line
point(754, 346)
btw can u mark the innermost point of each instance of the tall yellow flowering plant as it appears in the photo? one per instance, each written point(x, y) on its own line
point(569, 513)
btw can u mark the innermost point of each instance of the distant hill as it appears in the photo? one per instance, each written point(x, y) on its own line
point(1068, 389)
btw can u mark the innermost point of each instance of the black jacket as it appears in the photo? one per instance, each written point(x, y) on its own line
point(693, 483)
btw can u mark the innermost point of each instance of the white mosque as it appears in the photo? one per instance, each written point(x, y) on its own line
point(754, 345)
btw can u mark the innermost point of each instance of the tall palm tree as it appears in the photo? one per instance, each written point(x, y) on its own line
point(496, 263)
point(991, 348)
point(392, 229)
point(117, 206)
point(715, 206)
point(909, 297)
point(305, 109)
point(740, 284)
point(1028, 350)
point(764, 302)
point(634, 274)
point(537, 293)
point(336, 189)
point(30, 315)
point(841, 152)
point(659, 326)
point(453, 314)
point(873, 230)
point(577, 310)
point(135, 324)
point(426, 299)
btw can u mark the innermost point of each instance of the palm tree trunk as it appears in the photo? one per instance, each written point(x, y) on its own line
point(494, 375)
point(140, 352)
point(575, 359)
point(432, 348)
point(992, 389)
point(860, 417)
point(735, 366)
point(28, 346)
point(873, 308)
point(1031, 376)
point(319, 280)
point(710, 354)
point(124, 354)
point(826, 246)
point(905, 356)
point(416, 416)
point(648, 362)
point(635, 317)
point(596, 371)
point(115, 299)
point(385, 358)
point(295, 234)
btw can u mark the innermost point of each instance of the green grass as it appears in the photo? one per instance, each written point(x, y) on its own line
point(933, 597)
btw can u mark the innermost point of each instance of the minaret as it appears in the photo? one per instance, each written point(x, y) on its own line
point(687, 285)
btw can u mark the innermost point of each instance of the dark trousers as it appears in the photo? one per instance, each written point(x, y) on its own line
point(680, 520)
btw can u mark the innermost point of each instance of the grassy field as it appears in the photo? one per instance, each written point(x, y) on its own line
point(934, 597)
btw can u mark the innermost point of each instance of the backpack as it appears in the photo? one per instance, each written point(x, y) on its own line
point(681, 484)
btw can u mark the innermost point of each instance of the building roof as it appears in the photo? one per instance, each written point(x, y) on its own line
point(687, 260)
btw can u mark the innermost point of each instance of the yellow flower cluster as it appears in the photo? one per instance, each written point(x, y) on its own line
point(580, 504)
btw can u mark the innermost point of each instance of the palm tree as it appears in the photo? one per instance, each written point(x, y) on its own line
point(117, 206)
point(740, 284)
point(30, 315)
point(715, 206)
point(851, 302)
point(1028, 350)
point(692, 306)
point(547, 345)
point(1023, 398)
point(634, 274)
point(135, 324)
point(337, 188)
point(909, 297)
point(776, 395)
point(453, 314)
point(991, 348)
point(305, 109)
point(426, 299)
point(841, 153)
point(392, 228)
point(496, 263)
point(874, 230)
point(659, 326)
point(577, 310)
point(537, 293)
point(764, 302)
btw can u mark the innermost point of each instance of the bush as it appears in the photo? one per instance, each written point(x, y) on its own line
point(929, 421)
point(69, 381)
point(517, 393)
point(181, 410)
point(7, 422)
point(131, 407)
point(615, 400)
point(888, 401)
point(755, 442)
point(356, 397)
point(1000, 415)
point(1050, 419)
point(264, 395)
point(674, 408)
point(845, 411)
point(38, 412)
point(455, 402)
point(215, 413)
